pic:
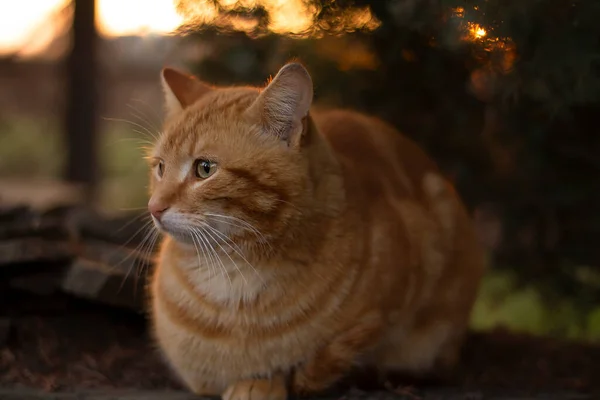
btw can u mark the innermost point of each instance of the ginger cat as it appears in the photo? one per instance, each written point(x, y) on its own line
point(300, 244)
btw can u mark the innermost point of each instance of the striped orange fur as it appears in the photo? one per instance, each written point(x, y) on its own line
point(300, 243)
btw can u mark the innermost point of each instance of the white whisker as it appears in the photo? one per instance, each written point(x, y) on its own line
point(191, 233)
point(288, 203)
point(146, 225)
point(146, 130)
point(227, 254)
point(227, 219)
point(143, 117)
point(142, 251)
point(215, 256)
point(157, 115)
point(210, 266)
point(236, 249)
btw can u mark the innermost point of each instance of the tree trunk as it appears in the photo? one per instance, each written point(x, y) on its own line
point(82, 99)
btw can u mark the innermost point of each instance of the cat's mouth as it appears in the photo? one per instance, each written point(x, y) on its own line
point(180, 229)
point(209, 229)
point(177, 234)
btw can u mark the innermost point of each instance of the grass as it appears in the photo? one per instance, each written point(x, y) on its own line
point(33, 149)
point(502, 303)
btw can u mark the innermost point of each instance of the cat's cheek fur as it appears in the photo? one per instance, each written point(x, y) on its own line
point(351, 248)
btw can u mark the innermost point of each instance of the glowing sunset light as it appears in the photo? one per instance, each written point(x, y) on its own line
point(27, 27)
point(24, 24)
point(476, 31)
point(20, 19)
point(134, 17)
point(473, 31)
point(296, 17)
point(289, 16)
point(286, 16)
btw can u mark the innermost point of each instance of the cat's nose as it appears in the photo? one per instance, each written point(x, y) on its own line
point(157, 208)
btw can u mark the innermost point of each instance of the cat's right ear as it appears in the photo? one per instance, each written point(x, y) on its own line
point(281, 107)
point(181, 90)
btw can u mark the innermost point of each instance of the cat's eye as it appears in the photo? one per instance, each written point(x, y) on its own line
point(205, 168)
point(160, 168)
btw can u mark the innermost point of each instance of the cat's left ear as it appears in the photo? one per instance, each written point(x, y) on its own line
point(181, 90)
point(284, 103)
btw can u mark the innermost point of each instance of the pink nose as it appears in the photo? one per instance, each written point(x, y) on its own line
point(157, 208)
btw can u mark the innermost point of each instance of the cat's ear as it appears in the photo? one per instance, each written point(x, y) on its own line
point(181, 90)
point(283, 104)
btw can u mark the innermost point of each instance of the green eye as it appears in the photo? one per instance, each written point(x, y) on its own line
point(205, 168)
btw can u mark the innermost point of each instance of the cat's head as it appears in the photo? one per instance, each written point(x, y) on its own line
point(233, 163)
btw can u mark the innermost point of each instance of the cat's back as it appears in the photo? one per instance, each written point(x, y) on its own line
point(374, 155)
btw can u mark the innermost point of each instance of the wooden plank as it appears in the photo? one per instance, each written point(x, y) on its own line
point(30, 249)
point(103, 283)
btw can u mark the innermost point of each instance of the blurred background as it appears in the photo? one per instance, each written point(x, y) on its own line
point(502, 94)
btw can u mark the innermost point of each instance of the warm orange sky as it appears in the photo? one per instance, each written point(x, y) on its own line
point(19, 20)
point(27, 26)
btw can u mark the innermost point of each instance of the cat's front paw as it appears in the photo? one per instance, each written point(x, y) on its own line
point(257, 389)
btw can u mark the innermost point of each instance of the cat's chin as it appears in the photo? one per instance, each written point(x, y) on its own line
point(179, 235)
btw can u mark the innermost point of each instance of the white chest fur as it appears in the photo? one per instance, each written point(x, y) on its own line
point(249, 348)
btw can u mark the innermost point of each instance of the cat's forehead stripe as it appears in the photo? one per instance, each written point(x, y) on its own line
point(218, 107)
point(228, 103)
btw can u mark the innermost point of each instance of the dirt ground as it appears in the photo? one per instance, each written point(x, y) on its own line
point(61, 343)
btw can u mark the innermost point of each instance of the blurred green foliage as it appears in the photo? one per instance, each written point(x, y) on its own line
point(502, 302)
point(31, 147)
